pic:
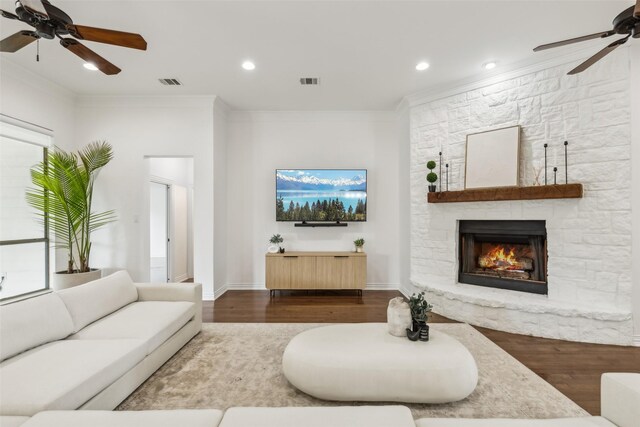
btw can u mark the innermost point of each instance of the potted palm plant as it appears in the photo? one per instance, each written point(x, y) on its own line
point(62, 195)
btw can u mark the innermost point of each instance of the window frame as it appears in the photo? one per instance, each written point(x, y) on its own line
point(45, 239)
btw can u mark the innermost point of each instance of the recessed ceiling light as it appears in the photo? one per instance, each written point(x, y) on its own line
point(422, 66)
point(489, 65)
point(248, 65)
point(90, 66)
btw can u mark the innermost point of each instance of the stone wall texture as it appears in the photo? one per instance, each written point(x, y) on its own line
point(589, 239)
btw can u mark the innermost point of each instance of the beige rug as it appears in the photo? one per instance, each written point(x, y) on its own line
point(232, 364)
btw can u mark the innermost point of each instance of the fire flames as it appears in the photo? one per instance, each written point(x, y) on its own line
point(501, 258)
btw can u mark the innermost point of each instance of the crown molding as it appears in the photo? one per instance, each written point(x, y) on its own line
point(221, 107)
point(244, 116)
point(12, 70)
point(512, 71)
point(146, 101)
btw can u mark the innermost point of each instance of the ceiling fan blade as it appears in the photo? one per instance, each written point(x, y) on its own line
point(101, 35)
point(636, 11)
point(18, 41)
point(8, 15)
point(90, 56)
point(598, 56)
point(601, 35)
point(35, 7)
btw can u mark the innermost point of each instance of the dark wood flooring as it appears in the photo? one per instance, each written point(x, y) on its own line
point(573, 368)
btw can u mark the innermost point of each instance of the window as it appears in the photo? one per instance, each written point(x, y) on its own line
point(24, 242)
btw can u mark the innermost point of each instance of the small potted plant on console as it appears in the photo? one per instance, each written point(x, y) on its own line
point(276, 239)
point(420, 309)
point(432, 177)
point(359, 244)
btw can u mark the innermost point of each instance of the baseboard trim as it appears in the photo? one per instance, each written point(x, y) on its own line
point(208, 296)
point(217, 293)
point(261, 287)
point(181, 278)
point(407, 289)
point(636, 340)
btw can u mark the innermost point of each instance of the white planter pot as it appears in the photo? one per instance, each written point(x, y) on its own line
point(359, 249)
point(62, 280)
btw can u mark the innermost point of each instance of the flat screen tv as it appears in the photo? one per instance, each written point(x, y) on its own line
point(321, 195)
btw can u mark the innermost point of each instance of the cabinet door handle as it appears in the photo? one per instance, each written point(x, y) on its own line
point(341, 256)
point(291, 256)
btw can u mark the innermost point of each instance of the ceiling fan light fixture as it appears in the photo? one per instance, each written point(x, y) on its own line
point(248, 65)
point(421, 66)
point(489, 65)
point(90, 66)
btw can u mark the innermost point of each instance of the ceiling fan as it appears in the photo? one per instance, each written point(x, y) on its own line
point(626, 23)
point(49, 22)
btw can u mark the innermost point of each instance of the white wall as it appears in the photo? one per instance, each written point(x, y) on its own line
point(634, 52)
point(404, 193)
point(30, 98)
point(139, 127)
point(260, 142)
point(220, 201)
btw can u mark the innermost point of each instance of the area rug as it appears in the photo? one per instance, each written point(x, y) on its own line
point(239, 364)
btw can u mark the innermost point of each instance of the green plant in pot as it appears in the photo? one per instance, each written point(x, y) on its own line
point(432, 177)
point(62, 195)
point(420, 310)
point(275, 240)
point(359, 243)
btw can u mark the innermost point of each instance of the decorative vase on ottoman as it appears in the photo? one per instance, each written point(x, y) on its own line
point(424, 332)
point(398, 317)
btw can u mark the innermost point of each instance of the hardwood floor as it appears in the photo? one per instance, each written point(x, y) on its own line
point(573, 368)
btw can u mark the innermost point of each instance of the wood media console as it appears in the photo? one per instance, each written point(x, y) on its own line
point(316, 270)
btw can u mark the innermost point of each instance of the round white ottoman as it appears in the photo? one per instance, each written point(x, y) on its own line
point(362, 362)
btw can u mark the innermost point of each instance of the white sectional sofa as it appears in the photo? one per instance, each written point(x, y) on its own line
point(620, 407)
point(90, 346)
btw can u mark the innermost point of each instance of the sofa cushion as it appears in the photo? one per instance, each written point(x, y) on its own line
point(151, 321)
point(620, 398)
point(64, 374)
point(94, 300)
point(339, 416)
point(173, 418)
point(32, 322)
point(10, 421)
point(505, 422)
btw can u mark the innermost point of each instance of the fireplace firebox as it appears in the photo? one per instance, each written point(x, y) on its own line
point(504, 254)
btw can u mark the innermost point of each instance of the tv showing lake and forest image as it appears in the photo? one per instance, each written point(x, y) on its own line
point(321, 195)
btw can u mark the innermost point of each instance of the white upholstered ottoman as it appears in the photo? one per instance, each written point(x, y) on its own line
point(363, 362)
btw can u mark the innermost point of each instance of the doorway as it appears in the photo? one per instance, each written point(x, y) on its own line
point(159, 232)
point(170, 219)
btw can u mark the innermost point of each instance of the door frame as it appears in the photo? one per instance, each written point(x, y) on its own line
point(160, 181)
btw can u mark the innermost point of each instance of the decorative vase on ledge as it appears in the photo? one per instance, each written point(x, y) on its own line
point(432, 188)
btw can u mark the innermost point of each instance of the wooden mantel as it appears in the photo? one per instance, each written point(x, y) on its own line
point(562, 191)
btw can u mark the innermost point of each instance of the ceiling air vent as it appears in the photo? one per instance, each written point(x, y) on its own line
point(304, 81)
point(170, 82)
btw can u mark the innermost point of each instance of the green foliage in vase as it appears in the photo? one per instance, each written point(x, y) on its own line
point(431, 164)
point(63, 194)
point(420, 308)
point(276, 239)
point(359, 242)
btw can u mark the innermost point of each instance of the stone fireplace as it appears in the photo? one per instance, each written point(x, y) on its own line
point(504, 254)
point(576, 261)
